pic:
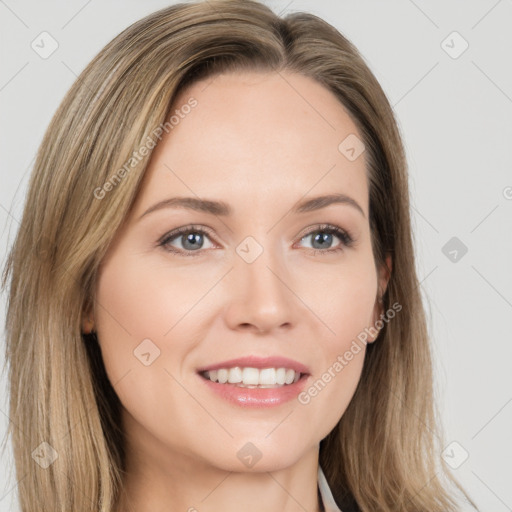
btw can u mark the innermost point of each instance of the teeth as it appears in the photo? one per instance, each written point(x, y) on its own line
point(290, 374)
point(280, 376)
point(268, 376)
point(250, 376)
point(235, 375)
point(222, 376)
point(253, 377)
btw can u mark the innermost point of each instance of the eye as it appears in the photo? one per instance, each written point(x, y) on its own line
point(323, 237)
point(191, 239)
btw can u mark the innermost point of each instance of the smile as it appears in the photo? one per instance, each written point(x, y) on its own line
point(253, 377)
point(254, 381)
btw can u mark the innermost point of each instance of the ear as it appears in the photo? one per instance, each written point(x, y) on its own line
point(378, 309)
point(87, 319)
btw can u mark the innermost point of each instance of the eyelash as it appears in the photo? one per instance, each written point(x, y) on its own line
point(345, 237)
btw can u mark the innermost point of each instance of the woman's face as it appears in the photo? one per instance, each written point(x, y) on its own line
point(255, 282)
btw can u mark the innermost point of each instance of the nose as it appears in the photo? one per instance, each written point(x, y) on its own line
point(260, 296)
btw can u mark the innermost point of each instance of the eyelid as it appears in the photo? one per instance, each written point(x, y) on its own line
point(325, 226)
point(347, 240)
point(175, 233)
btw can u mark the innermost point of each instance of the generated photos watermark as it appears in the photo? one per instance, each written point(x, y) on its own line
point(150, 142)
point(343, 360)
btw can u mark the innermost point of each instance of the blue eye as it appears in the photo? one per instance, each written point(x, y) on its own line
point(191, 243)
point(323, 235)
point(192, 239)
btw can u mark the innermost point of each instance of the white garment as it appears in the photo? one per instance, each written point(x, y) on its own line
point(325, 492)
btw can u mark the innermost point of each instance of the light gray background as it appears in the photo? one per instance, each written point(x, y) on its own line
point(456, 118)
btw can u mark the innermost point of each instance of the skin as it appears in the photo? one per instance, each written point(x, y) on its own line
point(260, 145)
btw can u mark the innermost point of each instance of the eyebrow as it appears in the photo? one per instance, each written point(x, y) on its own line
point(223, 209)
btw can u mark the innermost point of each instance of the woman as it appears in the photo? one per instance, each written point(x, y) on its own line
point(175, 342)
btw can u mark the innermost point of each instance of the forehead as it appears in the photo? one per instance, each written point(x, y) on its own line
point(254, 136)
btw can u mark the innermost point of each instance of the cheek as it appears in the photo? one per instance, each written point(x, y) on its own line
point(129, 327)
point(345, 308)
point(145, 320)
point(331, 389)
point(140, 299)
point(139, 313)
point(343, 298)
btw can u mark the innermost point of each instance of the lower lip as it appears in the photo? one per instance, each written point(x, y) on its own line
point(256, 397)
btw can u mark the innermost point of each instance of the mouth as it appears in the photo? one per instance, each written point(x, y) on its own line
point(249, 377)
point(254, 381)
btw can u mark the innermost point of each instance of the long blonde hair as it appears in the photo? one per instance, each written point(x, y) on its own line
point(384, 454)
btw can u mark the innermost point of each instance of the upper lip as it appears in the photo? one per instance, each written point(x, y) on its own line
point(258, 362)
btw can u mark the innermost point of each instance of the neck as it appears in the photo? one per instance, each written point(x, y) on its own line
point(153, 484)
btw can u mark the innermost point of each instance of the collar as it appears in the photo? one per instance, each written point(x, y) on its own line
point(326, 494)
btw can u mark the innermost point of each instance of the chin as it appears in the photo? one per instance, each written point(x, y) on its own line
point(263, 453)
